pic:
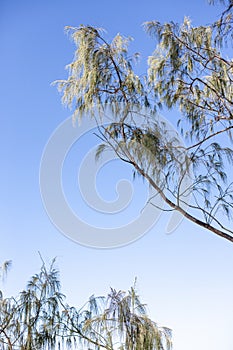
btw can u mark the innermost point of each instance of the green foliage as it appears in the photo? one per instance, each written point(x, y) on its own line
point(100, 74)
point(4, 268)
point(187, 71)
point(39, 318)
point(190, 73)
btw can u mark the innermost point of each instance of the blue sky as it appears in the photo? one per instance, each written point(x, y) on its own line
point(186, 277)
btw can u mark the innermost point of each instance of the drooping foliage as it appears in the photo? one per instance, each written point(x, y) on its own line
point(190, 73)
point(4, 268)
point(39, 318)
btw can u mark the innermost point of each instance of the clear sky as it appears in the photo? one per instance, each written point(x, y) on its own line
point(186, 277)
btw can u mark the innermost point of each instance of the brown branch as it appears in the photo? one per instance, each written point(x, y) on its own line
point(181, 210)
point(8, 339)
point(208, 137)
point(166, 199)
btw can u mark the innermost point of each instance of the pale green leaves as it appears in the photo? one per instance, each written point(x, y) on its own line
point(4, 268)
point(100, 74)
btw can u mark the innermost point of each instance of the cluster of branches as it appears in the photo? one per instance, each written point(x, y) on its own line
point(39, 318)
point(190, 73)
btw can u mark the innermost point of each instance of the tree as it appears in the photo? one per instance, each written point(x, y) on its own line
point(190, 73)
point(39, 318)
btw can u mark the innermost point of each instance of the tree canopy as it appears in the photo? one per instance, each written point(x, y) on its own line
point(190, 72)
point(40, 318)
